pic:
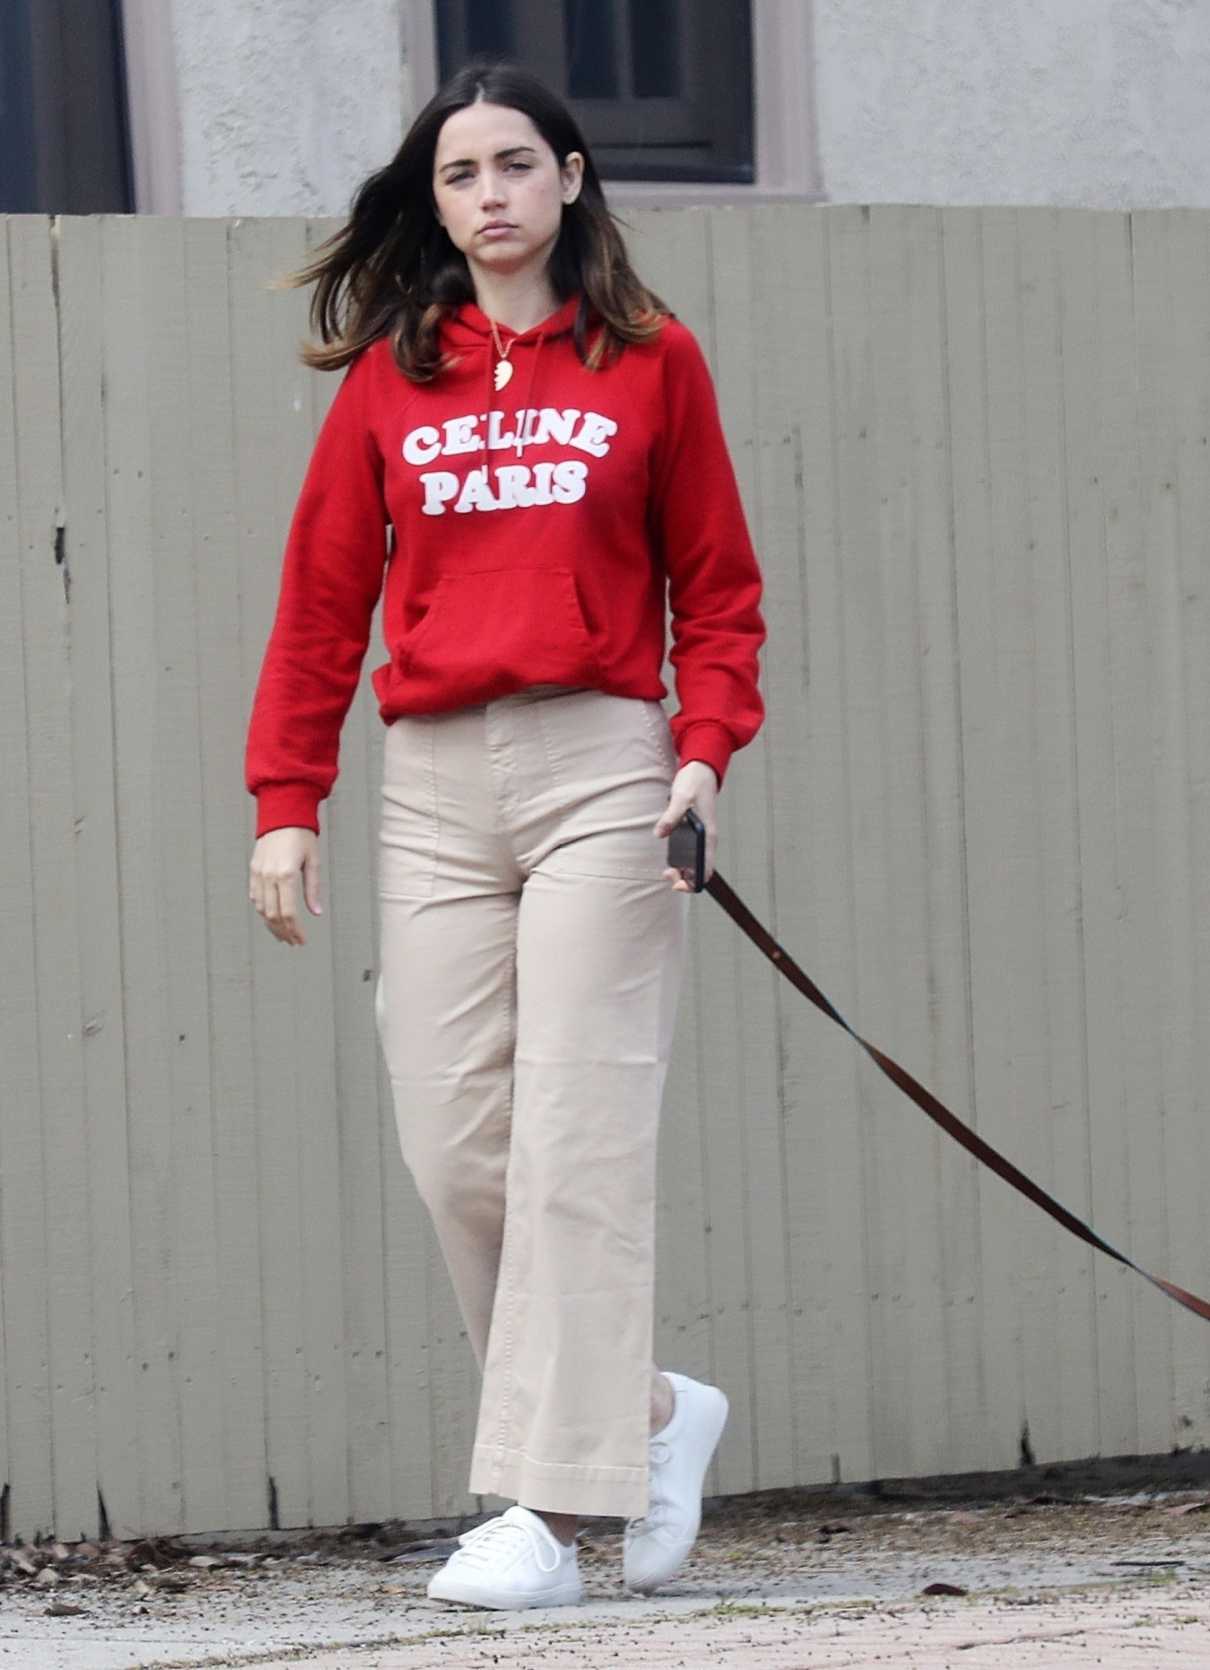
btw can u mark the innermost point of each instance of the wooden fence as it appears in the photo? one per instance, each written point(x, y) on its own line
point(973, 447)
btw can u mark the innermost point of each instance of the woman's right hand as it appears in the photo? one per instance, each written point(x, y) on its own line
point(277, 858)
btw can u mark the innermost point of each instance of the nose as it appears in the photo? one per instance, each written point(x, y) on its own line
point(491, 193)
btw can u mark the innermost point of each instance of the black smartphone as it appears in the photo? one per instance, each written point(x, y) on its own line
point(687, 850)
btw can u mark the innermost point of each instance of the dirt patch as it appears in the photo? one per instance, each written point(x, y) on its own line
point(1014, 1540)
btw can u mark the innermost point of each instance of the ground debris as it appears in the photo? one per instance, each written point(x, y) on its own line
point(814, 1558)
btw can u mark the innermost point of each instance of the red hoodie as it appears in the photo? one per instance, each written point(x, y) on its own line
point(536, 529)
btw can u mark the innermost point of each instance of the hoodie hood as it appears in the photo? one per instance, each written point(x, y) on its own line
point(469, 327)
point(469, 331)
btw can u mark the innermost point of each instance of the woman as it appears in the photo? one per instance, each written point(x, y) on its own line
point(542, 435)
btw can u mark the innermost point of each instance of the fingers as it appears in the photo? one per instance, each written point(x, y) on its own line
point(281, 917)
point(273, 897)
point(679, 802)
point(695, 785)
point(277, 860)
point(311, 885)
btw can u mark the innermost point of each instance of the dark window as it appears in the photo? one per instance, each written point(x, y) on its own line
point(662, 88)
point(64, 132)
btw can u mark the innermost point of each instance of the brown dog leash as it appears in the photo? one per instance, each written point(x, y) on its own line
point(937, 1111)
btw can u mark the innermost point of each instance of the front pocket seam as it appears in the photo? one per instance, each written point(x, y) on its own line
point(557, 591)
point(407, 648)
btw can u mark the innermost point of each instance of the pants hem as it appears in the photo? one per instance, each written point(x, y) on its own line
point(558, 1487)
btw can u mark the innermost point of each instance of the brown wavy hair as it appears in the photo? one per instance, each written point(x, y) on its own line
point(392, 269)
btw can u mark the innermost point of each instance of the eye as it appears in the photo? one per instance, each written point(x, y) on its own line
point(453, 179)
point(523, 166)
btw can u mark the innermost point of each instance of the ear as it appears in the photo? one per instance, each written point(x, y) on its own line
point(571, 172)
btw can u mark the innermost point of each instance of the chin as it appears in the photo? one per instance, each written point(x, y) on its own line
point(501, 259)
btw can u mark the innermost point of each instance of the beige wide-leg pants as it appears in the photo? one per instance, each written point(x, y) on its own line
point(531, 961)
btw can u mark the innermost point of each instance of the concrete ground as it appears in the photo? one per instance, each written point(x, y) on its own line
point(1045, 1569)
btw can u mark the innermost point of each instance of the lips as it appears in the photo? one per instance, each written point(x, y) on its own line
point(498, 226)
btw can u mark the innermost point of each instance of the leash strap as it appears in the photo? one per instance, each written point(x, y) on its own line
point(937, 1111)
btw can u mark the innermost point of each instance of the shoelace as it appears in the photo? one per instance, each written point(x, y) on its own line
point(659, 1452)
point(489, 1539)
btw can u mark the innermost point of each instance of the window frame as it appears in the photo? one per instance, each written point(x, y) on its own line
point(784, 108)
point(153, 106)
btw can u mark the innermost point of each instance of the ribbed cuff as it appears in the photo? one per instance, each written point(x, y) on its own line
point(286, 806)
point(709, 741)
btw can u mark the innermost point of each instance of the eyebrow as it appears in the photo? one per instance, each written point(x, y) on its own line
point(469, 162)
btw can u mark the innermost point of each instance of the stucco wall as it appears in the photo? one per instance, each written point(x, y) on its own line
point(1099, 103)
point(285, 105)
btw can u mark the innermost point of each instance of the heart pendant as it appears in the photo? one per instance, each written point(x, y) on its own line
point(504, 371)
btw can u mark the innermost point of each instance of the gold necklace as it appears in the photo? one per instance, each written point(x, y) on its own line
point(504, 368)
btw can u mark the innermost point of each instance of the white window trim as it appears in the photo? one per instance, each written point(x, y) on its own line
point(151, 93)
point(783, 70)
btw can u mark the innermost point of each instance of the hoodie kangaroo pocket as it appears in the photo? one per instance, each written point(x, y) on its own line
point(524, 625)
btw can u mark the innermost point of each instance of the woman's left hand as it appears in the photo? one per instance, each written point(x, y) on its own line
point(694, 785)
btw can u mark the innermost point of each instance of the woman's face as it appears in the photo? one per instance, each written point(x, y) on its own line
point(499, 189)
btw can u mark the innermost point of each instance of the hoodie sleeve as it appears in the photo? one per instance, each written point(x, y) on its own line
point(331, 577)
point(714, 583)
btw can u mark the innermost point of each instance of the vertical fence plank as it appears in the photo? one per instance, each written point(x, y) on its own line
point(785, 250)
point(903, 266)
point(27, 360)
point(179, 865)
point(832, 1261)
point(744, 358)
point(1091, 1099)
point(1186, 1150)
point(136, 327)
point(1162, 1081)
point(237, 1387)
point(1010, 830)
point(1112, 716)
point(955, 1427)
point(863, 643)
point(56, 1178)
point(293, 1001)
point(1055, 1294)
point(863, 627)
point(118, 1500)
point(968, 256)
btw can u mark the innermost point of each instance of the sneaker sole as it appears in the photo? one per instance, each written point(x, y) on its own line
point(644, 1586)
point(567, 1594)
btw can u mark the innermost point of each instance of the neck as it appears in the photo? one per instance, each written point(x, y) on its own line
point(518, 300)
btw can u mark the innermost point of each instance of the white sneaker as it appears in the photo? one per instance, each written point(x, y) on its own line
point(655, 1546)
point(511, 1561)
